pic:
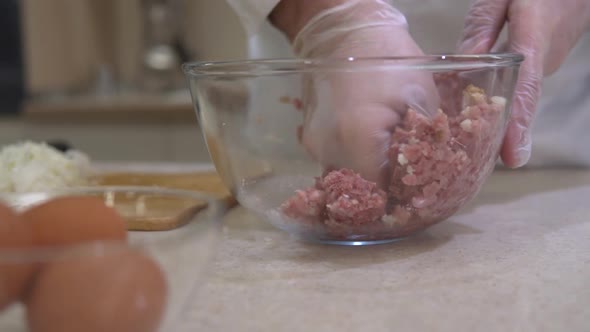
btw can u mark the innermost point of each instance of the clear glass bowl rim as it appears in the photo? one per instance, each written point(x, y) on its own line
point(431, 62)
point(214, 210)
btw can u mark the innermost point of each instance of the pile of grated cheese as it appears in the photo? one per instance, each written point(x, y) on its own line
point(28, 166)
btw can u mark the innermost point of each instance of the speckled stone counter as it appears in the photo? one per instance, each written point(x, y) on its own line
point(516, 259)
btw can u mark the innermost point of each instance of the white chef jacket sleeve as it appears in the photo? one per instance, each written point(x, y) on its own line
point(253, 13)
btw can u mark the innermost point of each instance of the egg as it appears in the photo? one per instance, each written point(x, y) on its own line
point(74, 220)
point(122, 291)
point(14, 275)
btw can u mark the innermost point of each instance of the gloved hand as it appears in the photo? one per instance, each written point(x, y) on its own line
point(544, 31)
point(351, 125)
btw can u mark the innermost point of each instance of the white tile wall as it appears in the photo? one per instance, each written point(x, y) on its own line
point(10, 130)
point(187, 143)
point(166, 142)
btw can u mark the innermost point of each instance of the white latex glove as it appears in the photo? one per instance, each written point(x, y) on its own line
point(352, 126)
point(544, 31)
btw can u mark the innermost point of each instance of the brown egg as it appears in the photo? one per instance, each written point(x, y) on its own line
point(74, 220)
point(14, 275)
point(119, 292)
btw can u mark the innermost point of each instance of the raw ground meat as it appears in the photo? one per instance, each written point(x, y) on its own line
point(341, 197)
point(437, 163)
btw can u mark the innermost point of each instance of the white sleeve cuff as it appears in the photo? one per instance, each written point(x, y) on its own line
point(253, 13)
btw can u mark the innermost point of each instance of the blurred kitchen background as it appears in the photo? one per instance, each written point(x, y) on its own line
point(104, 75)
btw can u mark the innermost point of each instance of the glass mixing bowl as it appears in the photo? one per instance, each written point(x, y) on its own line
point(260, 119)
point(143, 284)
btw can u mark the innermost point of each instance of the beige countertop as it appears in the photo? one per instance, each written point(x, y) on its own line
point(516, 259)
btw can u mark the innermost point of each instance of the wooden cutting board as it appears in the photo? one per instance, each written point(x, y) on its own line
point(165, 213)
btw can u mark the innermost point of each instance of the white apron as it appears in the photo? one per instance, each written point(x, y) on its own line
point(561, 134)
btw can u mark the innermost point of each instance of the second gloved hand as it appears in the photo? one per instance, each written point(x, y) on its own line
point(544, 31)
point(349, 117)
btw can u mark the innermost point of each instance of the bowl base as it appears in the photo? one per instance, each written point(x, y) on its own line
point(353, 242)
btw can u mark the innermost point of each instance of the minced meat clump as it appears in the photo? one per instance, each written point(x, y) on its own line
point(437, 164)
